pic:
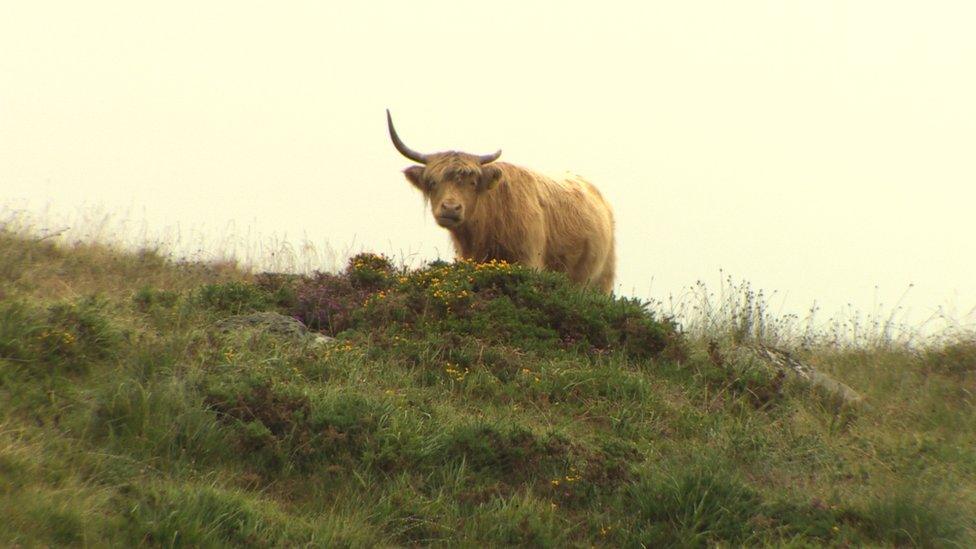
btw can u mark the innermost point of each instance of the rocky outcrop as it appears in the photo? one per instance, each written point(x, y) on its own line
point(786, 362)
point(746, 356)
point(274, 323)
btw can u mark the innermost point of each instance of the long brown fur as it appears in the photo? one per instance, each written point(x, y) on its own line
point(510, 213)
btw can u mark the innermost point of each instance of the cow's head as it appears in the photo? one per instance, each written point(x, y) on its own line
point(452, 181)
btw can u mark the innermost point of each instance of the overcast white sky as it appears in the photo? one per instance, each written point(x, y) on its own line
point(818, 149)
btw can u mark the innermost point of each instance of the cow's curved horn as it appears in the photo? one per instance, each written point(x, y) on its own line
point(404, 150)
point(486, 158)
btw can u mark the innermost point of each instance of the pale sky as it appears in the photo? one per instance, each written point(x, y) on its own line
point(818, 149)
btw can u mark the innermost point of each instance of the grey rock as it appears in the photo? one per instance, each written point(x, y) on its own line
point(274, 323)
point(787, 363)
point(319, 340)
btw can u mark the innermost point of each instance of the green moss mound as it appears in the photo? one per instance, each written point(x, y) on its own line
point(487, 304)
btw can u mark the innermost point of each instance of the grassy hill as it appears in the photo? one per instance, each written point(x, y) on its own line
point(460, 404)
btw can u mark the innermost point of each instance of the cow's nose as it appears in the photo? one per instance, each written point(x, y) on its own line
point(452, 208)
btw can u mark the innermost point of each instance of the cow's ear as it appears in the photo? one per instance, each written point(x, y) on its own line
point(490, 175)
point(415, 175)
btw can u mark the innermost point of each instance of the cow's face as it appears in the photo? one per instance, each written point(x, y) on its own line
point(453, 182)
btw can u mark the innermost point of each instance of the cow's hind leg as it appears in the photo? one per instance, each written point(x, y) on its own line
point(605, 279)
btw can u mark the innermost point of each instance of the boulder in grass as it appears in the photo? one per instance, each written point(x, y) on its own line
point(785, 365)
point(273, 323)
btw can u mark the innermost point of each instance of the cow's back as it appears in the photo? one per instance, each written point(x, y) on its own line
point(580, 229)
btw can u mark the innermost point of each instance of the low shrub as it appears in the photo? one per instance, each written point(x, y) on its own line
point(68, 336)
point(494, 303)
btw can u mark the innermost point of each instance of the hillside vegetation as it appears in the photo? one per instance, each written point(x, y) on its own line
point(460, 404)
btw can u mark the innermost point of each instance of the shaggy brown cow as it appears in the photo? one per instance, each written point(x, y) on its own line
point(496, 210)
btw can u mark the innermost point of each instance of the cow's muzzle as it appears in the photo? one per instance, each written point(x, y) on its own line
point(448, 219)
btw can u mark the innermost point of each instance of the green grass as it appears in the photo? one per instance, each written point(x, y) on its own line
point(461, 404)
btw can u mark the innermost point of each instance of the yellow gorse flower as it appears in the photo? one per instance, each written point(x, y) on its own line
point(456, 373)
point(59, 337)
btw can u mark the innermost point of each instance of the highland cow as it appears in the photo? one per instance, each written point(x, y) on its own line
point(496, 210)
